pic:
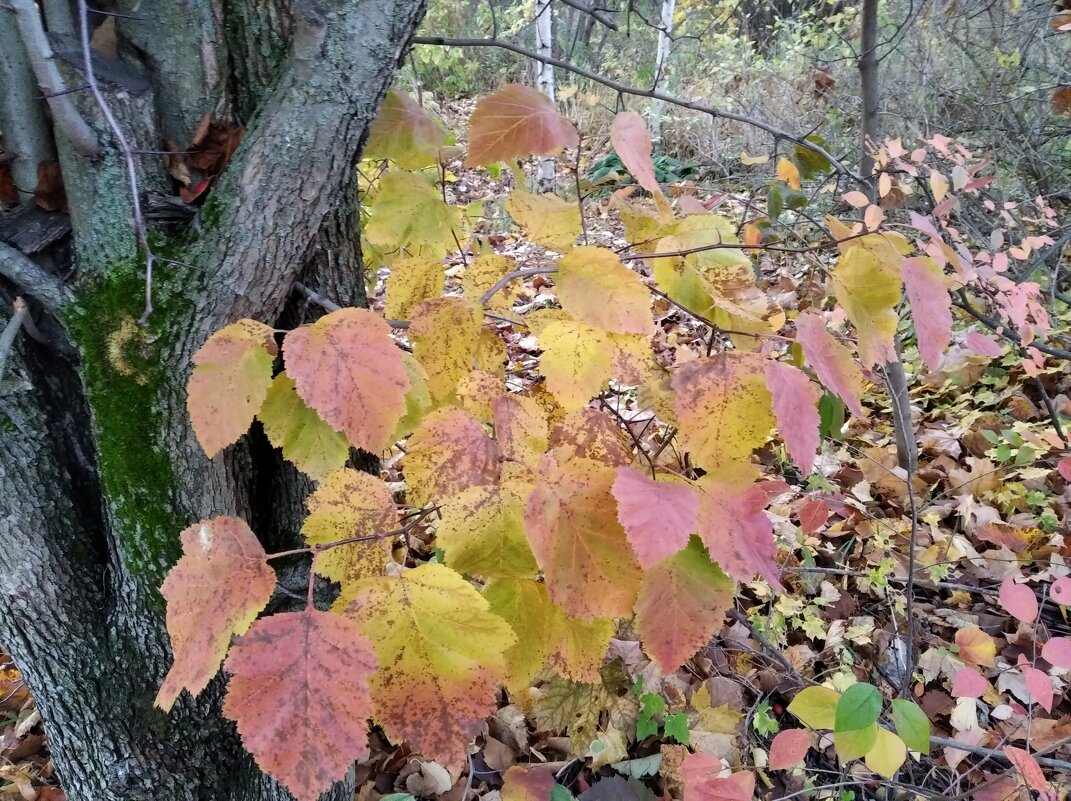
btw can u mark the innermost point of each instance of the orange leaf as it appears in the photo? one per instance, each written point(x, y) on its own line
point(347, 368)
point(527, 784)
point(1061, 100)
point(516, 121)
point(216, 590)
point(831, 361)
point(572, 526)
point(682, 604)
point(229, 383)
point(1027, 766)
point(658, 516)
point(450, 452)
point(633, 146)
point(788, 172)
point(299, 692)
point(976, 646)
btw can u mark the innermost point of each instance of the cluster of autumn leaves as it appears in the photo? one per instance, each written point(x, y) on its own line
point(539, 495)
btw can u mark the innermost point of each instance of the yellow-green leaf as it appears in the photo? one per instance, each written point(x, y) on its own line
point(854, 743)
point(405, 133)
point(816, 707)
point(305, 439)
point(408, 211)
point(911, 724)
point(596, 288)
point(481, 529)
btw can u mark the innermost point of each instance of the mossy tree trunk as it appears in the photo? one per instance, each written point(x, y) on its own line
point(99, 470)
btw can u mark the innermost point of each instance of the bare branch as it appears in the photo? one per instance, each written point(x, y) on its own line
point(7, 336)
point(773, 130)
point(83, 138)
point(32, 280)
point(598, 14)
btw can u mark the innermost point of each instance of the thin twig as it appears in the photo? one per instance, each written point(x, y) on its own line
point(7, 336)
point(593, 12)
point(773, 130)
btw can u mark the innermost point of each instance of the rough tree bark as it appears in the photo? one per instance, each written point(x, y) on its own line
point(98, 467)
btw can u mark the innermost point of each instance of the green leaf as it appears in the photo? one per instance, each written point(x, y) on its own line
point(809, 162)
point(559, 793)
point(831, 413)
point(398, 797)
point(775, 201)
point(764, 722)
point(677, 727)
point(854, 743)
point(858, 708)
point(816, 707)
point(911, 724)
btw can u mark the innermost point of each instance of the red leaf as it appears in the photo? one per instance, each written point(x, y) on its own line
point(347, 368)
point(216, 590)
point(682, 603)
point(1038, 684)
point(1063, 467)
point(299, 692)
point(1027, 766)
point(633, 146)
point(831, 361)
point(1018, 600)
point(1061, 591)
point(795, 405)
point(789, 748)
point(983, 345)
point(230, 380)
point(931, 307)
point(1057, 651)
point(516, 121)
point(968, 683)
point(813, 516)
point(700, 773)
point(658, 516)
point(734, 526)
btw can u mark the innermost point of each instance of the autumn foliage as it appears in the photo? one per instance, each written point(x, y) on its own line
point(552, 526)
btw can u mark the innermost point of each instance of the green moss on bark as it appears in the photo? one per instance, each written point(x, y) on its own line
point(125, 379)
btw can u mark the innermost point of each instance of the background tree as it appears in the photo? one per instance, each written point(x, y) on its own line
point(98, 468)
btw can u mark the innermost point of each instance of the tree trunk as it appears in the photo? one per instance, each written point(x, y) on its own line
point(665, 47)
point(99, 471)
point(544, 27)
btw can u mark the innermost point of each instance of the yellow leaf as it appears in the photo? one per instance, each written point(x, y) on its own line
point(578, 646)
point(412, 280)
point(575, 362)
point(445, 333)
point(477, 391)
point(938, 185)
point(788, 172)
point(724, 408)
point(350, 503)
point(867, 283)
point(482, 273)
point(596, 288)
point(481, 529)
point(749, 161)
point(887, 754)
point(719, 720)
point(440, 649)
point(547, 219)
point(408, 211)
point(816, 707)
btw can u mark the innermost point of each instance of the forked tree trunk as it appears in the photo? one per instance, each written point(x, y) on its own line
point(98, 467)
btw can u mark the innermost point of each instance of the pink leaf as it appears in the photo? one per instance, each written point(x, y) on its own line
point(813, 516)
point(1018, 600)
point(1063, 467)
point(1057, 651)
point(658, 516)
point(1027, 766)
point(789, 748)
point(632, 144)
point(983, 345)
point(700, 773)
point(1038, 684)
point(831, 361)
point(1061, 591)
point(795, 405)
point(734, 527)
point(931, 307)
point(968, 683)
